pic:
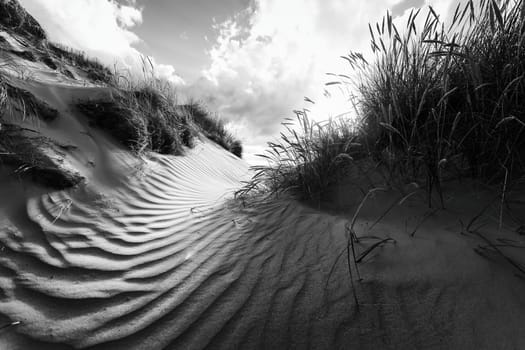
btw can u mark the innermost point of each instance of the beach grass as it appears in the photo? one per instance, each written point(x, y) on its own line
point(436, 101)
point(141, 120)
point(144, 114)
point(307, 159)
point(212, 127)
point(14, 18)
point(95, 70)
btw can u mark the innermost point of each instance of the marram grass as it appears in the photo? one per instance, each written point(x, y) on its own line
point(436, 101)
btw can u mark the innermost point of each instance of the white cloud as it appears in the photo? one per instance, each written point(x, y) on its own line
point(101, 28)
point(268, 57)
point(128, 16)
point(168, 72)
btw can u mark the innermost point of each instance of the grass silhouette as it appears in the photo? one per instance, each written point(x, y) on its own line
point(436, 101)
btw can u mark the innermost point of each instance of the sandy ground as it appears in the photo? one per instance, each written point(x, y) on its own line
point(164, 260)
point(153, 253)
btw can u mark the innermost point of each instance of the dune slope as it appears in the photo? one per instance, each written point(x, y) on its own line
point(161, 258)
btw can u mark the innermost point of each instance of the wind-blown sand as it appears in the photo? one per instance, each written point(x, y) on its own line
point(161, 260)
point(153, 253)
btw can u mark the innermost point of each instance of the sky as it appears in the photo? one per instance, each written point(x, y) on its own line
point(250, 61)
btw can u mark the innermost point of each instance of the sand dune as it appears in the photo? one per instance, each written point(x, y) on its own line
point(153, 253)
point(165, 260)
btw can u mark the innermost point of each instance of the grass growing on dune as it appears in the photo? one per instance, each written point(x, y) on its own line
point(447, 96)
point(308, 159)
point(145, 116)
point(142, 118)
point(23, 152)
point(436, 101)
point(18, 103)
point(95, 71)
point(13, 17)
point(212, 127)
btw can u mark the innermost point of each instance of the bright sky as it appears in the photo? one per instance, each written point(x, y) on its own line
point(252, 61)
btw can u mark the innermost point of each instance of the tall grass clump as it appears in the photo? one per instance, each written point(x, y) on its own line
point(143, 115)
point(490, 75)
point(142, 118)
point(404, 99)
point(435, 101)
point(446, 96)
point(309, 158)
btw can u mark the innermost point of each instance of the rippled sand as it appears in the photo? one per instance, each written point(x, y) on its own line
point(164, 259)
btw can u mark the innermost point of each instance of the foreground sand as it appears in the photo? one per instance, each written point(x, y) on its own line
point(160, 258)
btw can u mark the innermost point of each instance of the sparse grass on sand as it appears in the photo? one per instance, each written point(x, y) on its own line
point(145, 116)
point(141, 119)
point(16, 102)
point(22, 149)
point(95, 71)
point(436, 102)
point(307, 161)
point(21, 102)
point(32, 156)
point(212, 127)
point(15, 18)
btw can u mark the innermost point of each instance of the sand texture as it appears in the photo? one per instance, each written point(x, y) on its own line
point(165, 260)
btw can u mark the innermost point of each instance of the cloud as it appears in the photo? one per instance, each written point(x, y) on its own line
point(128, 16)
point(101, 28)
point(267, 58)
point(167, 72)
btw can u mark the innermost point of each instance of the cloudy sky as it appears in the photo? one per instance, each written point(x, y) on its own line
point(252, 61)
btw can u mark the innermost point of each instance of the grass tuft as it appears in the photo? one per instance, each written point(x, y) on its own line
point(309, 161)
point(213, 127)
point(34, 157)
point(15, 102)
point(142, 120)
point(95, 71)
point(146, 117)
point(15, 18)
point(444, 97)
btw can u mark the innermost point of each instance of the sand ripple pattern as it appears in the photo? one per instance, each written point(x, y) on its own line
point(163, 261)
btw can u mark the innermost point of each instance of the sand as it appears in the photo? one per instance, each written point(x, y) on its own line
point(154, 253)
